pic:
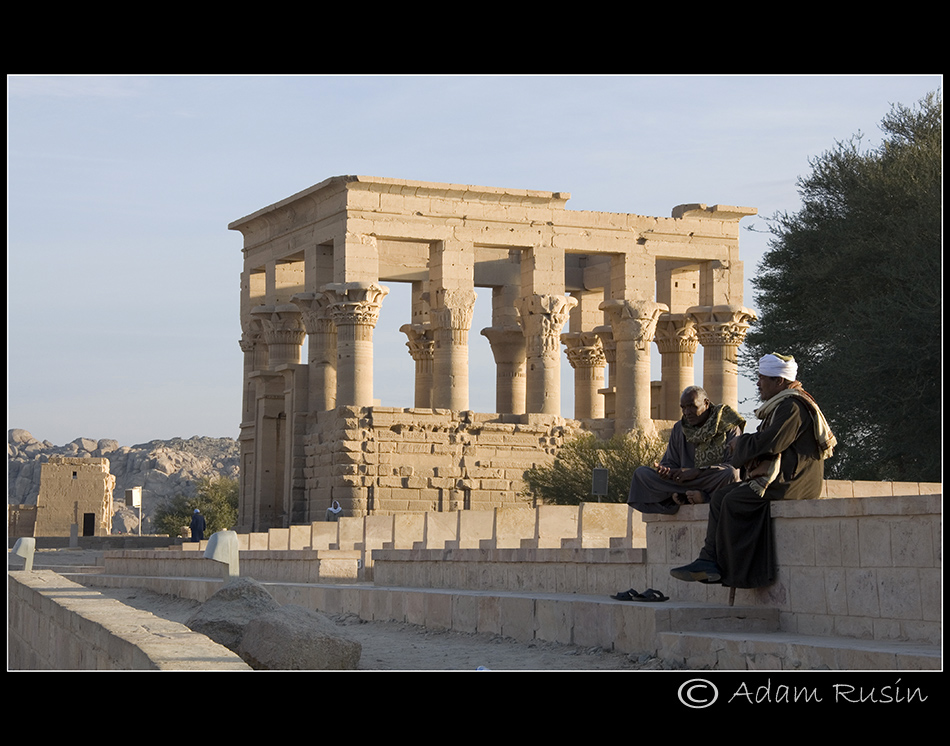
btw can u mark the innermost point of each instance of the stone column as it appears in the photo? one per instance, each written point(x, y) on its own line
point(606, 336)
point(451, 318)
point(278, 426)
point(585, 353)
point(542, 319)
point(255, 359)
point(508, 349)
point(354, 308)
point(321, 349)
point(421, 347)
point(677, 342)
point(721, 329)
point(633, 323)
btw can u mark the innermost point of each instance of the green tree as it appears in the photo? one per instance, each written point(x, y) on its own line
point(217, 499)
point(568, 479)
point(851, 286)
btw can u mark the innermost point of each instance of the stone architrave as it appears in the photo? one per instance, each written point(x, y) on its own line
point(508, 349)
point(720, 330)
point(677, 341)
point(421, 347)
point(321, 348)
point(542, 319)
point(354, 308)
point(585, 353)
point(451, 321)
point(633, 323)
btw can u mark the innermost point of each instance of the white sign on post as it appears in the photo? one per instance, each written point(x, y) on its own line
point(133, 497)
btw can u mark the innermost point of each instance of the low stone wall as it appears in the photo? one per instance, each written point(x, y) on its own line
point(55, 624)
point(290, 566)
point(864, 567)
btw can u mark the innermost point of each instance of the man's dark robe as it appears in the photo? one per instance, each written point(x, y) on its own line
point(197, 527)
point(739, 533)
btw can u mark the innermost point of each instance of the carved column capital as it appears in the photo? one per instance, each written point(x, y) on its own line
point(676, 332)
point(542, 318)
point(315, 311)
point(452, 313)
point(606, 336)
point(721, 326)
point(584, 350)
point(282, 331)
point(633, 320)
point(420, 342)
point(355, 303)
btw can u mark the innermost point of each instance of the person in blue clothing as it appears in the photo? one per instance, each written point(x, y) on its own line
point(197, 526)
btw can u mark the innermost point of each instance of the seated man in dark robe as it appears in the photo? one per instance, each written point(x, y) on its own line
point(695, 463)
point(782, 460)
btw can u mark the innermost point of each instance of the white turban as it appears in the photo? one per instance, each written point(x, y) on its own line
point(773, 366)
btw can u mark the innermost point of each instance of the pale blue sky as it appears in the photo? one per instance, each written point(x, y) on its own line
point(123, 278)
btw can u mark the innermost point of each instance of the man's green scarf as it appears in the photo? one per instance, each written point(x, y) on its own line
point(709, 439)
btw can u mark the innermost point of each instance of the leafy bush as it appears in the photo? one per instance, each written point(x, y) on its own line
point(567, 480)
point(217, 499)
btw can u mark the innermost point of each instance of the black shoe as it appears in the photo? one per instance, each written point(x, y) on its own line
point(702, 571)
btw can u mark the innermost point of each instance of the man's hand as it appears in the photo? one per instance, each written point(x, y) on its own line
point(676, 475)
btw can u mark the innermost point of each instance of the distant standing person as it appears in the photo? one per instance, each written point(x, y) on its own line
point(334, 512)
point(197, 526)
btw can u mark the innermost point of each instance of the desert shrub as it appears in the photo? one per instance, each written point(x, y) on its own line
point(217, 499)
point(567, 480)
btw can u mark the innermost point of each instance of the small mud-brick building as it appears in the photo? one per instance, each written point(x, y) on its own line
point(607, 286)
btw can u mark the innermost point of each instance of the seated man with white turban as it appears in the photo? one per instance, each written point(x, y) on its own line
point(782, 460)
point(695, 463)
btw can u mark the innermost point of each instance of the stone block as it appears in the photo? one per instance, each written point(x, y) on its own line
point(278, 538)
point(556, 523)
point(440, 528)
point(512, 525)
point(599, 522)
point(408, 528)
point(323, 534)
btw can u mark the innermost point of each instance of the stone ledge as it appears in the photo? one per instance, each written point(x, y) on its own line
point(594, 556)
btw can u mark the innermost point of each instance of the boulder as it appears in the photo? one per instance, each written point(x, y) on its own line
point(86, 444)
point(293, 638)
point(17, 435)
point(224, 616)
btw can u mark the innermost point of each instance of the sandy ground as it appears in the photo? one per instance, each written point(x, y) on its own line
point(393, 646)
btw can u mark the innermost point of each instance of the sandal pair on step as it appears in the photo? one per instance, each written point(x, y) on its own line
point(648, 595)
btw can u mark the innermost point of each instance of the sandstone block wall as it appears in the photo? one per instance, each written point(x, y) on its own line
point(55, 624)
point(865, 567)
point(75, 491)
point(390, 460)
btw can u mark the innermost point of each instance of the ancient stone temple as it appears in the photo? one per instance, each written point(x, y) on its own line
point(318, 266)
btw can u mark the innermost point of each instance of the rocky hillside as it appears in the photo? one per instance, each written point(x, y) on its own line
point(162, 468)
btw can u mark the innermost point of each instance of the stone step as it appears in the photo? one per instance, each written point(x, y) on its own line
point(774, 651)
point(692, 635)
